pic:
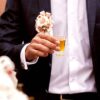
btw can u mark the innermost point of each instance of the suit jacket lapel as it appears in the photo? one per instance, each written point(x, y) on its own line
point(91, 15)
point(44, 5)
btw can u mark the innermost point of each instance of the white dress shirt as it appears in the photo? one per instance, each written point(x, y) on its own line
point(23, 59)
point(73, 72)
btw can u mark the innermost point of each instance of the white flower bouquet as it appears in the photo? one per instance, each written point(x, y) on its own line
point(8, 81)
point(44, 22)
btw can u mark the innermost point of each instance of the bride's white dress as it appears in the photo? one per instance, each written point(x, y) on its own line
point(8, 81)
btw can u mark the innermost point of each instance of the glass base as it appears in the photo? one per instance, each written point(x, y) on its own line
point(59, 53)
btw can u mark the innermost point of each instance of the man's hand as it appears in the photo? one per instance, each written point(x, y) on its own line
point(41, 45)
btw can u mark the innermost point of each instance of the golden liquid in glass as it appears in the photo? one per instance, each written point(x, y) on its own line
point(62, 44)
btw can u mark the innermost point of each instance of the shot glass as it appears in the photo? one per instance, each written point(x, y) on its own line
point(62, 39)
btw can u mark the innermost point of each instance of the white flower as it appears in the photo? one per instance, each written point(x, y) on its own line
point(8, 81)
point(7, 73)
point(44, 22)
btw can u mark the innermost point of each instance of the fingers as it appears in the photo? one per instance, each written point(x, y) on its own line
point(48, 37)
point(46, 40)
point(41, 45)
point(32, 53)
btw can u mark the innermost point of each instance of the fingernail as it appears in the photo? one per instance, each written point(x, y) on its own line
point(57, 48)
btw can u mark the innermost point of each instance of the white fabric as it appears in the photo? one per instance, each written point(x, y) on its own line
point(8, 81)
point(73, 72)
point(23, 59)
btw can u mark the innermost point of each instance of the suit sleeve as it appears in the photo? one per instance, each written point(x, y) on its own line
point(11, 36)
point(98, 13)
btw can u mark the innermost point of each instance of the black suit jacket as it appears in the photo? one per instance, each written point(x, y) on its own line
point(17, 25)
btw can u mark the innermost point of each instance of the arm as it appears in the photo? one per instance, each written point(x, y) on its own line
point(12, 36)
point(10, 32)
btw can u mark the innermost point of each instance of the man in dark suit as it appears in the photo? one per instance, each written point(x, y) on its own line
point(17, 29)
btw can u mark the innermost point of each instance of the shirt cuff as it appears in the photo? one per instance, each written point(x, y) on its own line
point(23, 59)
